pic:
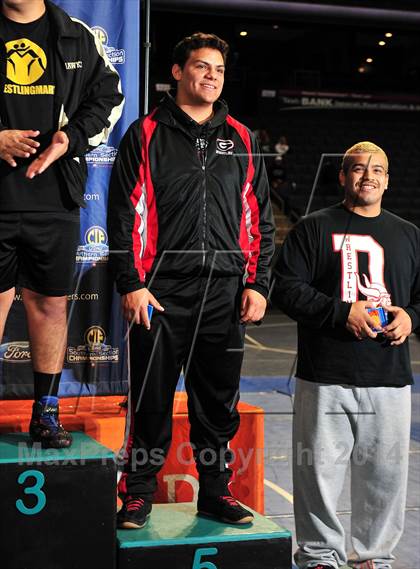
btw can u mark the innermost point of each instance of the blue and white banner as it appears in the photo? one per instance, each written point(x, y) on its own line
point(95, 359)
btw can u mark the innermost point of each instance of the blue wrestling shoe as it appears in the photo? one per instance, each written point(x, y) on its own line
point(45, 426)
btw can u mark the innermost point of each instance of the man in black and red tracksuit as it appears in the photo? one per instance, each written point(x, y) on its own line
point(191, 230)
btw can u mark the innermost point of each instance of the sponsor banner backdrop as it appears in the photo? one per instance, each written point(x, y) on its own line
point(95, 360)
point(324, 100)
point(272, 100)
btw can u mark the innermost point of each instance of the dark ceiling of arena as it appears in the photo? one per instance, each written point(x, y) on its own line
point(298, 49)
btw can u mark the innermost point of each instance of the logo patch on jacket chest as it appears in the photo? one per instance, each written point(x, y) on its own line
point(224, 146)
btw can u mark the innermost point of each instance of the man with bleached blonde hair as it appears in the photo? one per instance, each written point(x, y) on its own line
point(360, 148)
point(350, 276)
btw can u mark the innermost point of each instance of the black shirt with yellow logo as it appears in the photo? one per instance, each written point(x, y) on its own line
point(27, 88)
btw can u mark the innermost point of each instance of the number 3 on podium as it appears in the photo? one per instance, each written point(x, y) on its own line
point(35, 489)
point(198, 564)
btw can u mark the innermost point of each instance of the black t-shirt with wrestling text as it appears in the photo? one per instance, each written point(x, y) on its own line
point(331, 259)
point(27, 88)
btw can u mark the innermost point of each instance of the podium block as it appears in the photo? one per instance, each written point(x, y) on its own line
point(178, 479)
point(57, 506)
point(103, 419)
point(176, 537)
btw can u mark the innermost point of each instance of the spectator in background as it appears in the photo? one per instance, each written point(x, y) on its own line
point(279, 179)
point(278, 174)
point(264, 141)
point(281, 147)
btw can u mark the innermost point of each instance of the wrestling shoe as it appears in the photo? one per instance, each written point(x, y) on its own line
point(224, 508)
point(45, 426)
point(134, 513)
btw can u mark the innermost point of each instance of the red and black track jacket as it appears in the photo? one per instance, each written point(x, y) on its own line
point(175, 211)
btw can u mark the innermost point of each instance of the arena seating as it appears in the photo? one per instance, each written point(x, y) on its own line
point(312, 132)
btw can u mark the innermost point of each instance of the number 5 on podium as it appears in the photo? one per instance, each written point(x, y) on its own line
point(198, 564)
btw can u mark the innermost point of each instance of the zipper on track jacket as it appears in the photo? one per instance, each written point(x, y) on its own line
point(202, 154)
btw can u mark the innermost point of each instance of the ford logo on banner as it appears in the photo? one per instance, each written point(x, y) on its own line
point(15, 352)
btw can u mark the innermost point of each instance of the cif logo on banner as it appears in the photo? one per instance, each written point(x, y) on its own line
point(94, 336)
point(15, 352)
point(94, 350)
point(95, 249)
point(103, 155)
point(116, 56)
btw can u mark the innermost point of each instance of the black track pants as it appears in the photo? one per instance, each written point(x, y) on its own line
point(200, 333)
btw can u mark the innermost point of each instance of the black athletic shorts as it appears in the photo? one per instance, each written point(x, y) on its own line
point(38, 251)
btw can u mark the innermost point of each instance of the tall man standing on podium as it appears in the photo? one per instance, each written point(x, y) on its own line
point(60, 97)
point(338, 269)
point(191, 224)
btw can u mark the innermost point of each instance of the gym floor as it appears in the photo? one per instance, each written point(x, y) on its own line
point(268, 382)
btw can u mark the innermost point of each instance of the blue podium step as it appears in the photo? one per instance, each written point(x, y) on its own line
point(57, 506)
point(176, 537)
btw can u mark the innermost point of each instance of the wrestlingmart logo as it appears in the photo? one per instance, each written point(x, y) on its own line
point(26, 64)
point(26, 61)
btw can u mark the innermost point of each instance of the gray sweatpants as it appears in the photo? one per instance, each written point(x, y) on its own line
point(369, 429)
